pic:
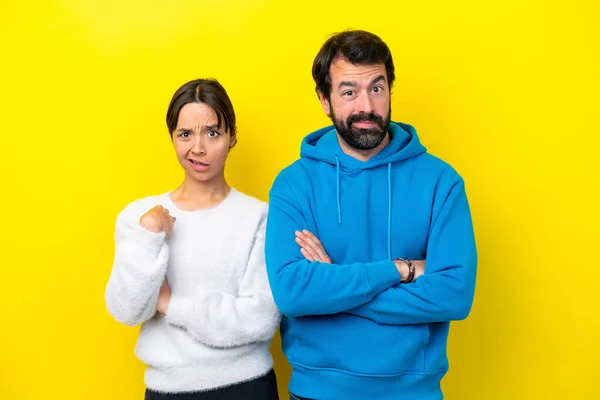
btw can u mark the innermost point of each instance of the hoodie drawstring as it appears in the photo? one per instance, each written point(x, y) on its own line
point(339, 207)
point(389, 233)
point(389, 184)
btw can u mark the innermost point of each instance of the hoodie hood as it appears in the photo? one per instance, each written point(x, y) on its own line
point(323, 145)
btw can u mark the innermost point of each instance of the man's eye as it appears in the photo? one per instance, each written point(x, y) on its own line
point(184, 134)
point(213, 134)
point(348, 93)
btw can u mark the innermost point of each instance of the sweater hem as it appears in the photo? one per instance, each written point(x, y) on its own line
point(199, 377)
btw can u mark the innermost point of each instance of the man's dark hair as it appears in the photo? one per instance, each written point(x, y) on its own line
point(357, 47)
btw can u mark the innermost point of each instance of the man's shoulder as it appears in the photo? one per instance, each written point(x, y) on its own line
point(436, 167)
point(293, 174)
point(293, 168)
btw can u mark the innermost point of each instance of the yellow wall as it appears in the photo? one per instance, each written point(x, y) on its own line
point(506, 92)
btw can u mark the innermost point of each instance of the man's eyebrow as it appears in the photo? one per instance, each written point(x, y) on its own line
point(347, 83)
point(378, 79)
point(354, 84)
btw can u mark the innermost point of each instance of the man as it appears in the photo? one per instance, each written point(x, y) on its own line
point(362, 319)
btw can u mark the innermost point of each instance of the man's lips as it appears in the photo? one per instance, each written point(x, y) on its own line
point(364, 124)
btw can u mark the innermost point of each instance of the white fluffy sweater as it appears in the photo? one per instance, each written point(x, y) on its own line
point(221, 317)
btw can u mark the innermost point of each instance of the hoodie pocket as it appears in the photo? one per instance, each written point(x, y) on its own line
point(358, 345)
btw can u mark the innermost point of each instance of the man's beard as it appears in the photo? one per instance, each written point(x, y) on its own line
point(361, 138)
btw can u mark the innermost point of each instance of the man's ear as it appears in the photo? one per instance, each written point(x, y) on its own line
point(233, 141)
point(324, 103)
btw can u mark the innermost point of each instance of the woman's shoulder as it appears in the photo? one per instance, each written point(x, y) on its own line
point(248, 203)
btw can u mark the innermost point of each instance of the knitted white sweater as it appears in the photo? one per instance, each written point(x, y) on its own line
point(221, 317)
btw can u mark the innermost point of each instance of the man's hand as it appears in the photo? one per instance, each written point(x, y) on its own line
point(164, 296)
point(402, 268)
point(311, 247)
point(419, 268)
point(157, 219)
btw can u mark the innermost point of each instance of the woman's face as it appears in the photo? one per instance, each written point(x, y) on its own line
point(201, 146)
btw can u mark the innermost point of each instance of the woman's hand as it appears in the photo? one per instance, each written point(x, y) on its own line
point(164, 296)
point(311, 247)
point(157, 219)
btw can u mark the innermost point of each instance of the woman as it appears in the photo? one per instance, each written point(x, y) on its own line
point(189, 266)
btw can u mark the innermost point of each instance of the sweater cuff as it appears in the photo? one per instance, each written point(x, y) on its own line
point(179, 311)
point(382, 275)
point(150, 243)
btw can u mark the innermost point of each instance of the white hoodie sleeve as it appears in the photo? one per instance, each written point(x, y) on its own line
point(223, 320)
point(138, 270)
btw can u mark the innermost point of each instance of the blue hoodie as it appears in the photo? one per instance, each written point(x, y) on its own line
point(351, 329)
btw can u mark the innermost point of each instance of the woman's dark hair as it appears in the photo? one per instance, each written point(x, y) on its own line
point(357, 47)
point(207, 91)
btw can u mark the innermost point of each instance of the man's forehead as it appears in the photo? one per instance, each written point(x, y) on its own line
point(342, 69)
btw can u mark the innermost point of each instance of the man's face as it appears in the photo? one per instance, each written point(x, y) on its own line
point(359, 104)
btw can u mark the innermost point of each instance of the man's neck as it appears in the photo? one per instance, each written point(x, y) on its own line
point(362, 155)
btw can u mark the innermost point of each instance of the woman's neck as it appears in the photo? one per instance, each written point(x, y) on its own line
point(194, 194)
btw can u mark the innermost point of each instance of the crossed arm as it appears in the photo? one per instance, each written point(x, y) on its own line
point(313, 285)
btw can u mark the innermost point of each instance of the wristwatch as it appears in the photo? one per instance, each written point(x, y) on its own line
point(411, 270)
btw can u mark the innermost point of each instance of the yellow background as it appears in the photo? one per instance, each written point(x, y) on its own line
point(507, 92)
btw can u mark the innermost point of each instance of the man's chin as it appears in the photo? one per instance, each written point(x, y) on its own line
point(371, 132)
